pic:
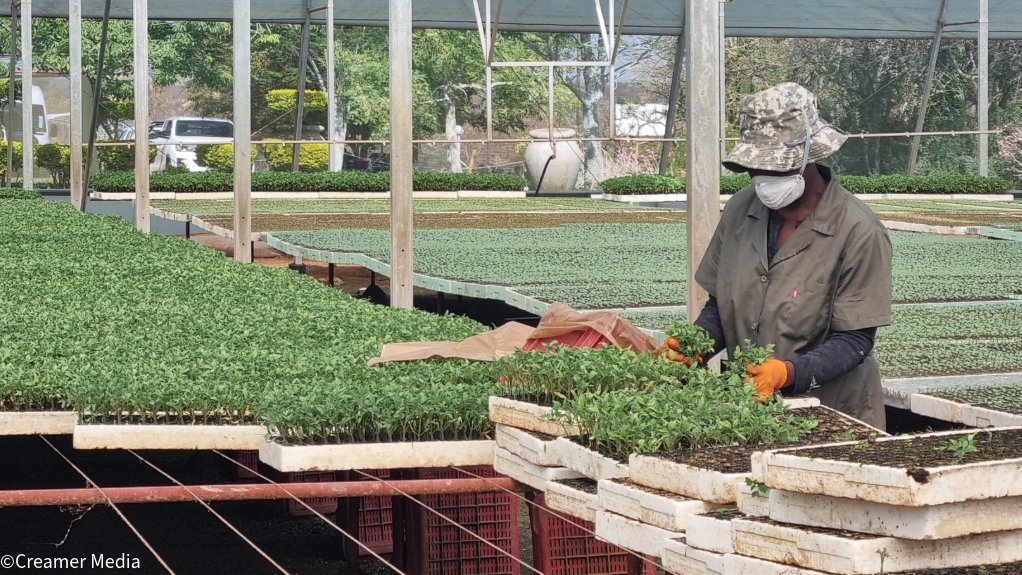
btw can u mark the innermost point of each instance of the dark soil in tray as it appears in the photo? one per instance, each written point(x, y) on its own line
point(582, 484)
point(538, 435)
point(1005, 569)
point(822, 530)
point(728, 513)
point(541, 400)
point(831, 427)
point(584, 441)
point(1009, 400)
point(916, 454)
point(657, 492)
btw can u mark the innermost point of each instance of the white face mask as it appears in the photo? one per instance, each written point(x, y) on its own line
point(777, 192)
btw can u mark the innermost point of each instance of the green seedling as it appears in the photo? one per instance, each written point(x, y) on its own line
point(757, 488)
point(960, 446)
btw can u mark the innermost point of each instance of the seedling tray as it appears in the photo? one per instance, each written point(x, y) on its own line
point(845, 470)
point(749, 504)
point(566, 497)
point(534, 476)
point(533, 447)
point(958, 411)
point(37, 422)
point(524, 415)
point(397, 455)
point(587, 462)
point(742, 565)
point(631, 534)
point(657, 508)
point(929, 522)
point(845, 552)
point(682, 559)
point(158, 436)
point(711, 531)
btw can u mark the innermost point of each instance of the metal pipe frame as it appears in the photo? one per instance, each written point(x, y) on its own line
point(927, 87)
point(140, 19)
point(336, 153)
point(303, 56)
point(401, 285)
point(75, 58)
point(703, 125)
point(983, 108)
point(247, 492)
point(672, 104)
point(27, 126)
point(97, 91)
point(243, 251)
point(9, 174)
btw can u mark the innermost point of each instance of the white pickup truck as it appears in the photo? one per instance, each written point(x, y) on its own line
point(177, 138)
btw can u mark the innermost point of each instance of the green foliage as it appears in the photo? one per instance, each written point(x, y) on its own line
point(285, 100)
point(176, 333)
point(960, 446)
point(17, 159)
point(56, 158)
point(118, 110)
point(891, 184)
point(707, 410)
point(311, 157)
point(19, 194)
point(382, 205)
point(757, 488)
point(693, 341)
point(217, 157)
point(999, 397)
point(347, 181)
point(119, 158)
point(566, 372)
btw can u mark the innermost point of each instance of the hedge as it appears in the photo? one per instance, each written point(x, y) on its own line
point(287, 99)
point(891, 184)
point(3, 156)
point(19, 194)
point(311, 157)
point(120, 158)
point(349, 181)
point(218, 157)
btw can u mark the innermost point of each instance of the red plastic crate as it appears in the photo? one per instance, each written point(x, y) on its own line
point(581, 338)
point(372, 516)
point(437, 547)
point(324, 505)
point(561, 548)
point(247, 459)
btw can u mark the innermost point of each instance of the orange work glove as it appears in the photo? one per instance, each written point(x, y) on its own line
point(669, 351)
point(767, 377)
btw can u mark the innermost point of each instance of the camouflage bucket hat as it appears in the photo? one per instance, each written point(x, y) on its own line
point(773, 131)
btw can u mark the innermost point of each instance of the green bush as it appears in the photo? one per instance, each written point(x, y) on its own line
point(217, 157)
point(3, 156)
point(891, 184)
point(311, 157)
point(119, 158)
point(657, 184)
point(349, 181)
point(287, 99)
point(19, 194)
point(55, 158)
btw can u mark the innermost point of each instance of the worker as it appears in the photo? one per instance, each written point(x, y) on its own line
point(799, 262)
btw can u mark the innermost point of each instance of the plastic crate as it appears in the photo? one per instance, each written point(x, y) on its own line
point(372, 516)
point(581, 338)
point(247, 459)
point(324, 505)
point(437, 547)
point(561, 548)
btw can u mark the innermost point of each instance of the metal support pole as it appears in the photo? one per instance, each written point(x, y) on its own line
point(723, 89)
point(96, 94)
point(703, 139)
point(336, 151)
point(27, 125)
point(141, 69)
point(983, 63)
point(9, 174)
point(303, 57)
point(248, 492)
point(672, 103)
point(331, 270)
point(924, 103)
point(401, 153)
point(75, 57)
point(242, 131)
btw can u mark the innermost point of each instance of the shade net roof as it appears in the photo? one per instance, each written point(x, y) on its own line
point(771, 18)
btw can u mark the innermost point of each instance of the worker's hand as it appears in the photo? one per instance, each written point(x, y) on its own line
point(669, 351)
point(767, 377)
